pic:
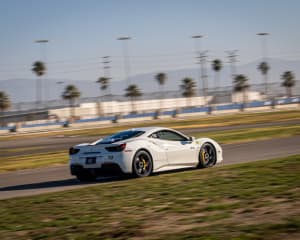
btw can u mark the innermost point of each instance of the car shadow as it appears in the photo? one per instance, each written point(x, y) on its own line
point(74, 182)
point(174, 171)
point(62, 183)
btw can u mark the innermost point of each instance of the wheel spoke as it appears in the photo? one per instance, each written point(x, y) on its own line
point(207, 155)
point(143, 164)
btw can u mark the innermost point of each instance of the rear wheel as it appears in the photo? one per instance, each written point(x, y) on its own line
point(142, 164)
point(207, 156)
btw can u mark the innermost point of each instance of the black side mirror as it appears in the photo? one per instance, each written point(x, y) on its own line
point(192, 139)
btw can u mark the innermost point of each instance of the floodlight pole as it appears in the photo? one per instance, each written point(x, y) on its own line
point(264, 51)
point(126, 58)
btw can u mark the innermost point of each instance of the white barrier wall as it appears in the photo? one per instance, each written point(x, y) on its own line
point(251, 96)
point(88, 110)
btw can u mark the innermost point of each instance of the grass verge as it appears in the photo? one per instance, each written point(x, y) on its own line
point(252, 134)
point(258, 200)
point(223, 137)
point(33, 161)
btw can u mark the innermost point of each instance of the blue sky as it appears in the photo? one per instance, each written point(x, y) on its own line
point(82, 31)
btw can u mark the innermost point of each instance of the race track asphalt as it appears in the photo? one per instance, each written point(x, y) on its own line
point(53, 179)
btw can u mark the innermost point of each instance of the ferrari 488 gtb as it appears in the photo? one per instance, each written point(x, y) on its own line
point(142, 151)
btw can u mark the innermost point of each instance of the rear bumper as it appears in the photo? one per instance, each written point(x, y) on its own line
point(106, 169)
point(76, 169)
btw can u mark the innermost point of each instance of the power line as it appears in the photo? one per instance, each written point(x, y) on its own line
point(106, 69)
point(232, 60)
point(203, 60)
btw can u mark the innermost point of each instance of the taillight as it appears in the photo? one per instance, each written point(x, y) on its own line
point(73, 151)
point(118, 148)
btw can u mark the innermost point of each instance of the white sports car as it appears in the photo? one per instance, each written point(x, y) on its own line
point(142, 151)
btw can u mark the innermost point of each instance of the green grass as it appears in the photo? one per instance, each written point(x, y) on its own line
point(33, 161)
point(198, 122)
point(22, 149)
point(223, 137)
point(252, 134)
point(258, 200)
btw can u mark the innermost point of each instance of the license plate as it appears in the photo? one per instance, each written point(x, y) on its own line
point(90, 160)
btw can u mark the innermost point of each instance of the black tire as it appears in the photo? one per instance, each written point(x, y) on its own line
point(142, 164)
point(207, 156)
point(86, 176)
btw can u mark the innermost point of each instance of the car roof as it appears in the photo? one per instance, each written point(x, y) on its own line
point(149, 130)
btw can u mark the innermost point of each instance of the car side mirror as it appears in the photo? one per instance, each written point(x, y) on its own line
point(192, 139)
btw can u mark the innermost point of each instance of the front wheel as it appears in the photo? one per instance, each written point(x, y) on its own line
point(142, 164)
point(207, 156)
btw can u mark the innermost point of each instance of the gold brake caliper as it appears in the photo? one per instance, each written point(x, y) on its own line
point(145, 164)
point(203, 155)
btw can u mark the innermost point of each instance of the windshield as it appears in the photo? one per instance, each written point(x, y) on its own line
point(119, 136)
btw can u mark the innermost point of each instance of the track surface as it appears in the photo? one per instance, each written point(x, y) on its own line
point(52, 179)
point(42, 144)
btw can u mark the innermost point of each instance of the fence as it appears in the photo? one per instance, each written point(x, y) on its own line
point(222, 95)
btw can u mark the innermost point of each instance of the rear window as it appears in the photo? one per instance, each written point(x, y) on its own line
point(120, 136)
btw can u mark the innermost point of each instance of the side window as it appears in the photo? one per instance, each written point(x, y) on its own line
point(169, 136)
point(154, 135)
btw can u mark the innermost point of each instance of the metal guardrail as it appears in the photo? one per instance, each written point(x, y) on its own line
point(223, 95)
point(15, 117)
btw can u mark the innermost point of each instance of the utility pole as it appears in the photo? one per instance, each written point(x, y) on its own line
point(198, 46)
point(106, 70)
point(232, 60)
point(203, 57)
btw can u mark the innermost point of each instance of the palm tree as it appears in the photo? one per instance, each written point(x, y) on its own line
point(104, 82)
point(39, 69)
point(288, 78)
point(133, 92)
point(217, 66)
point(188, 88)
point(241, 85)
point(4, 103)
point(161, 79)
point(71, 93)
point(264, 67)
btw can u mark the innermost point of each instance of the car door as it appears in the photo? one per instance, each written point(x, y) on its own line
point(179, 150)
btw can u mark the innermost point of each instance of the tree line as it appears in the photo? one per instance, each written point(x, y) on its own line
point(188, 86)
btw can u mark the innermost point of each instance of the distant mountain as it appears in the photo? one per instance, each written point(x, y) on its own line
point(23, 90)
